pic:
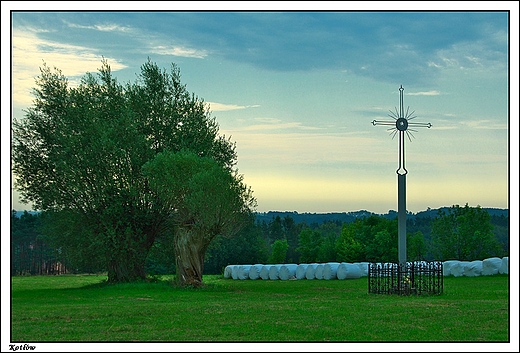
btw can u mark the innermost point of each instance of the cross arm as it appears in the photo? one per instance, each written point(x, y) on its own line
point(381, 122)
point(414, 124)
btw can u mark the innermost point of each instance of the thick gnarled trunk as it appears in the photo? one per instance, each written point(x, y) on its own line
point(190, 250)
point(126, 258)
point(125, 269)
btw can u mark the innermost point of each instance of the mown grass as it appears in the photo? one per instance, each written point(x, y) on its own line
point(83, 309)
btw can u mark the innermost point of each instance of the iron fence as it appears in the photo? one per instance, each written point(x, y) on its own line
point(417, 278)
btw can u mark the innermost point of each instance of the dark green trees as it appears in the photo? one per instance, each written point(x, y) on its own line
point(79, 151)
point(464, 233)
point(368, 239)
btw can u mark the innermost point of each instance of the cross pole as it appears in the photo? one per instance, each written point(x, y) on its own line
point(401, 125)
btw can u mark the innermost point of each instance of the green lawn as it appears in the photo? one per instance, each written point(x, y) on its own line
point(81, 308)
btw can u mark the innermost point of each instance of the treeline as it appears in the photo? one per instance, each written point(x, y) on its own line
point(31, 253)
point(459, 233)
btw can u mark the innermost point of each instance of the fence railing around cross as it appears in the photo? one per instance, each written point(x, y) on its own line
point(418, 278)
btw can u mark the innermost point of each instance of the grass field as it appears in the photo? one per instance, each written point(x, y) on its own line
point(83, 309)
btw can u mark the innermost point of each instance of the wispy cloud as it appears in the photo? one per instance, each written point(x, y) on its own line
point(107, 27)
point(30, 51)
point(179, 51)
point(419, 48)
point(428, 93)
point(220, 107)
point(273, 124)
point(485, 124)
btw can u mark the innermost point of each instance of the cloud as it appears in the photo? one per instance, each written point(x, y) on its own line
point(429, 93)
point(29, 53)
point(108, 27)
point(179, 51)
point(220, 107)
point(273, 124)
point(486, 124)
point(367, 44)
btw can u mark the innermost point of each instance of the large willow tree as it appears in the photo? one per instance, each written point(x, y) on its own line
point(79, 151)
point(205, 200)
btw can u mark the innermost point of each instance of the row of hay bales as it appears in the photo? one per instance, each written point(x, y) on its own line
point(487, 267)
point(345, 270)
point(329, 270)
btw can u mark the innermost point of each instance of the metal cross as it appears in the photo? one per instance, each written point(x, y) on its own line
point(402, 125)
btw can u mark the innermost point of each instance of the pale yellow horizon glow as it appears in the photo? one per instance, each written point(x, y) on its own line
point(302, 194)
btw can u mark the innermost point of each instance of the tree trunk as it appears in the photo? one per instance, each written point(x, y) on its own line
point(190, 250)
point(125, 269)
point(127, 263)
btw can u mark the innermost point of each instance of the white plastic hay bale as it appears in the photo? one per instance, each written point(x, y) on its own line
point(473, 268)
point(457, 269)
point(264, 272)
point(254, 271)
point(243, 272)
point(228, 271)
point(491, 266)
point(310, 273)
point(387, 269)
point(234, 272)
point(447, 265)
point(274, 272)
point(418, 264)
point(504, 267)
point(329, 270)
point(348, 271)
point(363, 267)
point(287, 271)
point(300, 271)
point(319, 271)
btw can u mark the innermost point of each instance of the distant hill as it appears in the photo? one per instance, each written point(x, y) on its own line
point(347, 217)
point(19, 213)
point(309, 218)
point(344, 217)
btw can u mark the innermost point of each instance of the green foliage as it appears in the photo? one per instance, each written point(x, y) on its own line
point(501, 232)
point(309, 245)
point(161, 258)
point(247, 247)
point(279, 252)
point(30, 250)
point(79, 247)
point(79, 150)
point(291, 230)
point(465, 234)
point(416, 249)
point(276, 230)
point(372, 239)
point(204, 200)
point(348, 247)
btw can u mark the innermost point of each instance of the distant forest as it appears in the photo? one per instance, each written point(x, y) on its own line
point(347, 217)
point(303, 237)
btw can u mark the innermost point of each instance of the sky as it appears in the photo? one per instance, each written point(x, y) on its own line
point(298, 91)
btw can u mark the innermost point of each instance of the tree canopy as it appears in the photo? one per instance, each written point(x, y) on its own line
point(79, 151)
point(464, 233)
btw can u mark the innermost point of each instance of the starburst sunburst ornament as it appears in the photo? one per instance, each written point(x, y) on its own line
point(402, 124)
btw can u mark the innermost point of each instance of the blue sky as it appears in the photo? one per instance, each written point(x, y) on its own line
point(297, 91)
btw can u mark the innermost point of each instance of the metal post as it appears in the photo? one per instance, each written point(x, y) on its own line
point(404, 279)
point(401, 217)
point(401, 125)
